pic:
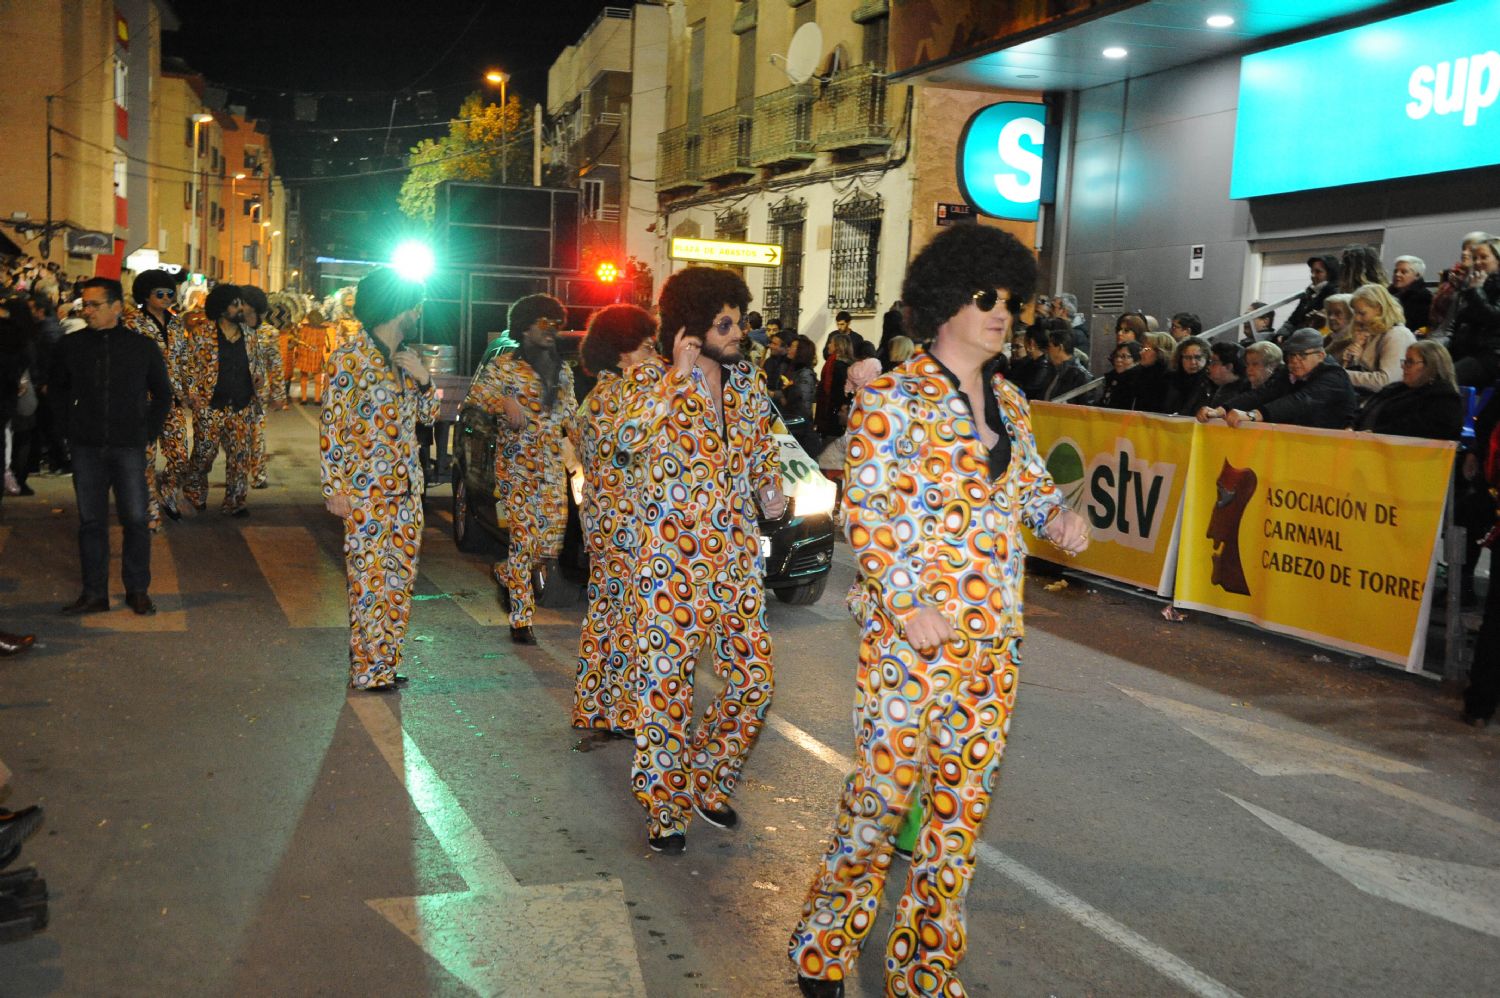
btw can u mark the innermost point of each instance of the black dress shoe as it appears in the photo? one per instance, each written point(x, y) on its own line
point(522, 636)
point(722, 816)
point(394, 686)
point(817, 987)
point(672, 845)
point(140, 603)
point(26, 490)
point(87, 604)
point(170, 508)
point(14, 644)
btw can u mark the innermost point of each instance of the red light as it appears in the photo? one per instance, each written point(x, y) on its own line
point(607, 272)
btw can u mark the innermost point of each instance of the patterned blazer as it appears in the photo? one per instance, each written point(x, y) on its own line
point(369, 424)
point(927, 525)
point(202, 363)
point(529, 459)
point(695, 478)
point(174, 348)
point(611, 478)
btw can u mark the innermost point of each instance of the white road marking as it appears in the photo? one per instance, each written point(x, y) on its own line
point(1188, 977)
point(1269, 751)
point(1455, 892)
point(309, 586)
point(560, 939)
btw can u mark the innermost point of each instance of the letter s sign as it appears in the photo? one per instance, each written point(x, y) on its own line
point(1001, 160)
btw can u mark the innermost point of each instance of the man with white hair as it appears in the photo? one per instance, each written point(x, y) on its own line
point(1410, 289)
point(1065, 306)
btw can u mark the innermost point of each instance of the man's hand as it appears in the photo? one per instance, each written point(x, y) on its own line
point(1234, 417)
point(772, 502)
point(685, 353)
point(408, 361)
point(515, 416)
point(1069, 532)
point(340, 506)
point(1206, 413)
point(928, 630)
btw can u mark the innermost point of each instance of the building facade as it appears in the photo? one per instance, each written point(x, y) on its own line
point(606, 102)
point(802, 144)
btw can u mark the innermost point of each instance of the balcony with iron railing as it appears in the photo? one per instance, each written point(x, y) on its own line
point(851, 113)
point(783, 134)
point(726, 146)
point(677, 153)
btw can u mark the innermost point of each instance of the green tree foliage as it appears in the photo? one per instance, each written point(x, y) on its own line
point(484, 143)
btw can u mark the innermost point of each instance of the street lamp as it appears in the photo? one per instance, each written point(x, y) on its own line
point(499, 79)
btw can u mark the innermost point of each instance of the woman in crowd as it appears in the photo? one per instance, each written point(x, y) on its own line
point(901, 350)
point(1261, 361)
point(892, 325)
point(796, 400)
point(1119, 383)
point(1323, 280)
point(1358, 266)
point(1339, 331)
point(1476, 327)
point(1226, 371)
point(833, 390)
point(1411, 290)
point(1130, 328)
point(1424, 403)
point(865, 369)
point(1188, 386)
point(1373, 359)
point(619, 337)
point(1151, 377)
point(1443, 310)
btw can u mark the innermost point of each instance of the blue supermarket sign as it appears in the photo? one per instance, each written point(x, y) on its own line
point(1403, 97)
point(1002, 161)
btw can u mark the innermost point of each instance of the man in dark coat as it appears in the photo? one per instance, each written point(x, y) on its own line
point(114, 387)
point(1310, 390)
point(1067, 373)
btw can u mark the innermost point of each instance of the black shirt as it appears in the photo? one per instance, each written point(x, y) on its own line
point(234, 389)
point(998, 458)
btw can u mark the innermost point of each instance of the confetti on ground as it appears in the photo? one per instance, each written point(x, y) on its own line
point(1056, 587)
point(763, 885)
point(1173, 614)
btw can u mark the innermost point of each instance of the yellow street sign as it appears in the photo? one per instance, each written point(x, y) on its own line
point(717, 251)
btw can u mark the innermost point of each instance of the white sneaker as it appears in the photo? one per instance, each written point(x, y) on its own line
point(11, 488)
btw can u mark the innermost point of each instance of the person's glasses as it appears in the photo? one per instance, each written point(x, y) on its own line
point(1408, 362)
point(1215, 362)
point(162, 293)
point(548, 325)
point(724, 326)
point(986, 301)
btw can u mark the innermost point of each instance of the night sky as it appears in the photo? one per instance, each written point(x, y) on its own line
point(357, 59)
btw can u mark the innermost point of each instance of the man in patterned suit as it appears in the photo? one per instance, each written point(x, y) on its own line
point(264, 339)
point(702, 430)
point(154, 292)
point(372, 471)
point(530, 392)
point(226, 377)
point(942, 469)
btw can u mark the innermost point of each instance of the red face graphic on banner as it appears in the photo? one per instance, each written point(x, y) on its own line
point(1236, 486)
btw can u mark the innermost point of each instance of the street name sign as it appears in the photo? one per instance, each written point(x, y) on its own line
point(718, 251)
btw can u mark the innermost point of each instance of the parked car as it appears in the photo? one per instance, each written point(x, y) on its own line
point(797, 548)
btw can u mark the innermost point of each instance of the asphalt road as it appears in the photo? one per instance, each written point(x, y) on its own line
point(1186, 808)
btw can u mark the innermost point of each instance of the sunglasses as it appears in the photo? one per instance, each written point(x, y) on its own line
point(986, 301)
point(548, 325)
point(725, 325)
point(162, 293)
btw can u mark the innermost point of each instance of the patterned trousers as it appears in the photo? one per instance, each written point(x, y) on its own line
point(938, 723)
point(727, 618)
point(382, 539)
point(537, 518)
point(165, 485)
point(230, 429)
point(605, 691)
point(260, 458)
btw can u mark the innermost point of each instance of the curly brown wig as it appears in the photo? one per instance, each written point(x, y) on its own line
point(960, 261)
point(691, 298)
point(614, 332)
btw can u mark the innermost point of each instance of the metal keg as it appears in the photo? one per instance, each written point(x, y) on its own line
point(439, 358)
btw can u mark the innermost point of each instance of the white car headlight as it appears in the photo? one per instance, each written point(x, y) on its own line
point(814, 496)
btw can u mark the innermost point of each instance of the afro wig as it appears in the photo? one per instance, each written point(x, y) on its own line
point(524, 313)
point(691, 298)
point(219, 300)
point(151, 280)
point(960, 261)
point(614, 332)
point(384, 294)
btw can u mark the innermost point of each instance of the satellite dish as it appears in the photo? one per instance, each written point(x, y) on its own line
point(802, 55)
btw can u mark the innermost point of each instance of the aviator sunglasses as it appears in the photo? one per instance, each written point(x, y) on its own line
point(986, 301)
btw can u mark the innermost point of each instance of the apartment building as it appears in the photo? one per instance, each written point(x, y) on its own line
point(808, 150)
point(606, 100)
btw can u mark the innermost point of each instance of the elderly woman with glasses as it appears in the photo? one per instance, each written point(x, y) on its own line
point(1373, 359)
point(1424, 403)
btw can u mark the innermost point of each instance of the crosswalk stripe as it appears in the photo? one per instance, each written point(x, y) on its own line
point(308, 584)
point(166, 593)
point(464, 579)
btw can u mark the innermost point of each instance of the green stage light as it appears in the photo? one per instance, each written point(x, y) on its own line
point(413, 260)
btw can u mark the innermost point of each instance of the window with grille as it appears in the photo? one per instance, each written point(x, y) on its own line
point(592, 191)
point(732, 226)
point(786, 227)
point(856, 252)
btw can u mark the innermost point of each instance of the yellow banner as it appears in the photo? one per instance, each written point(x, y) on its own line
point(1124, 471)
point(1326, 535)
